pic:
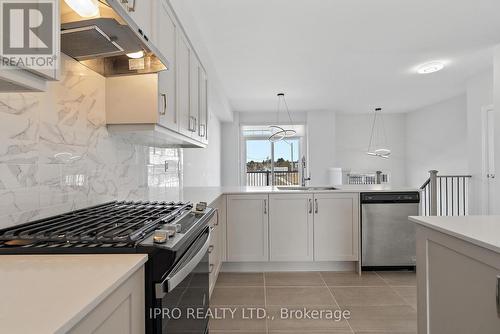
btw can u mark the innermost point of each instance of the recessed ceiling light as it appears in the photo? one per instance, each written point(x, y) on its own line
point(431, 67)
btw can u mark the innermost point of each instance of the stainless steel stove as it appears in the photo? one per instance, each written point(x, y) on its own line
point(175, 237)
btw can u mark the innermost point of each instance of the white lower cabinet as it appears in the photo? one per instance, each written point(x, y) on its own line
point(247, 228)
point(336, 227)
point(215, 250)
point(291, 227)
point(121, 312)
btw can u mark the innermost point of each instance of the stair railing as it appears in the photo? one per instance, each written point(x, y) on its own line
point(445, 195)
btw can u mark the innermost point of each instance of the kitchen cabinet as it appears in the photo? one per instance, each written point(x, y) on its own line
point(291, 227)
point(247, 228)
point(194, 93)
point(336, 227)
point(120, 312)
point(215, 250)
point(164, 37)
point(203, 106)
point(140, 12)
point(457, 281)
point(186, 124)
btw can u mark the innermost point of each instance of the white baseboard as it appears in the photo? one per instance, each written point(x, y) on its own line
point(287, 266)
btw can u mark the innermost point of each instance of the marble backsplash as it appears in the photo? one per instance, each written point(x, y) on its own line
point(56, 154)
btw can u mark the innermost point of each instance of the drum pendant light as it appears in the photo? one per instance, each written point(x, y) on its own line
point(378, 138)
point(278, 132)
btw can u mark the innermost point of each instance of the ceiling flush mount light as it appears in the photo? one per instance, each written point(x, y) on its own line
point(278, 132)
point(378, 138)
point(431, 67)
point(136, 55)
point(84, 8)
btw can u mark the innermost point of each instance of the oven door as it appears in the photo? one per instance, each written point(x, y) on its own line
point(183, 296)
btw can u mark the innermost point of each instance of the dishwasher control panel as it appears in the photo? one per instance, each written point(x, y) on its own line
point(389, 197)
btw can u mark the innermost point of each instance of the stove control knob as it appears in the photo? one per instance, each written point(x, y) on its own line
point(160, 236)
point(178, 227)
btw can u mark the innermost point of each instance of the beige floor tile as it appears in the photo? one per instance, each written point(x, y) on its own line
point(352, 279)
point(298, 296)
point(409, 294)
point(240, 279)
point(385, 332)
point(383, 318)
point(244, 296)
point(308, 331)
point(327, 318)
point(366, 296)
point(238, 324)
point(294, 279)
point(399, 278)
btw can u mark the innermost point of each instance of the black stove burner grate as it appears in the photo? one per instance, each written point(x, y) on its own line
point(114, 222)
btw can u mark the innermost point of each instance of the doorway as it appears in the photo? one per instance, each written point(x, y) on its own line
point(488, 163)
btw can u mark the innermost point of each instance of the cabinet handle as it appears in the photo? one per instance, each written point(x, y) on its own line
point(210, 249)
point(498, 295)
point(211, 268)
point(164, 99)
point(265, 206)
point(130, 8)
point(204, 132)
point(310, 206)
point(316, 205)
point(193, 128)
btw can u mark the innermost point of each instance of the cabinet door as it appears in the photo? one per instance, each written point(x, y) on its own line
point(336, 227)
point(247, 228)
point(165, 35)
point(291, 227)
point(140, 11)
point(183, 85)
point(203, 109)
point(194, 94)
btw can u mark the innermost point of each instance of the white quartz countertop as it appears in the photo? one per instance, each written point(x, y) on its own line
point(210, 194)
point(483, 231)
point(50, 294)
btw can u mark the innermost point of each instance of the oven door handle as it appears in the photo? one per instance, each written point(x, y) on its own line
point(183, 271)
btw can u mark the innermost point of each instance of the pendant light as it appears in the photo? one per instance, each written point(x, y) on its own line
point(278, 132)
point(378, 138)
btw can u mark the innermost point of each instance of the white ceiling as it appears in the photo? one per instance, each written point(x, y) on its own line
point(345, 55)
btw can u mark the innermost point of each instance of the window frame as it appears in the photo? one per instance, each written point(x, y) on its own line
point(243, 153)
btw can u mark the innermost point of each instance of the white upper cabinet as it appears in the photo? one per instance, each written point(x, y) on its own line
point(194, 94)
point(291, 227)
point(186, 124)
point(165, 38)
point(336, 227)
point(141, 12)
point(169, 107)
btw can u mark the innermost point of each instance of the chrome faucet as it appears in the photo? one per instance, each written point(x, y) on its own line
point(303, 172)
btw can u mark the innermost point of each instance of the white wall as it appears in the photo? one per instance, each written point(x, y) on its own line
point(479, 95)
point(321, 129)
point(231, 152)
point(352, 139)
point(202, 167)
point(436, 138)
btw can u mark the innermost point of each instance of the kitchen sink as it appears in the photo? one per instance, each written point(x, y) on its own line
point(298, 188)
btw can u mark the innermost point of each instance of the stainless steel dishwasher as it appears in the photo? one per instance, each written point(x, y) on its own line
point(388, 237)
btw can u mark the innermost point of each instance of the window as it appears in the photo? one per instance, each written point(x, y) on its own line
point(266, 163)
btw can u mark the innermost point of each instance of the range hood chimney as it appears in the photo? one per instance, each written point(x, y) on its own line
point(103, 42)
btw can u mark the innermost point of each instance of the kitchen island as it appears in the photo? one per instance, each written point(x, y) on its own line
point(72, 293)
point(458, 274)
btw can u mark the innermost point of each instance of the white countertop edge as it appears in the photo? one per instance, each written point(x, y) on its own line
point(69, 324)
point(461, 236)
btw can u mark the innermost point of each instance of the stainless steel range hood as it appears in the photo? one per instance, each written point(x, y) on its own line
point(102, 43)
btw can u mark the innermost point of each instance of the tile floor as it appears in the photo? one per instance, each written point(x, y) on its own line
point(379, 302)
